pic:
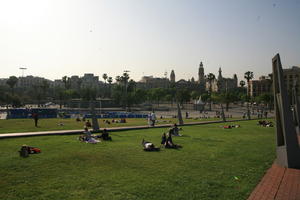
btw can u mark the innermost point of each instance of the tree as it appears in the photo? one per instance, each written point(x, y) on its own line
point(12, 81)
point(109, 80)
point(210, 78)
point(242, 83)
point(267, 99)
point(157, 94)
point(44, 86)
point(183, 95)
point(66, 81)
point(104, 76)
point(195, 95)
point(248, 76)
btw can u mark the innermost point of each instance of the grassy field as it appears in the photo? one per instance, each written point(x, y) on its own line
point(214, 163)
point(27, 125)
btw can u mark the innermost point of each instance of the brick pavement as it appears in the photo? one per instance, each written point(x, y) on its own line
point(279, 183)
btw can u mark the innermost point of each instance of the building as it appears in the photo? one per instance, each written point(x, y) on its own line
point(30, 81)
point(261, 86)
point(89, 80)
point(291, 76)
point(148, 82)
point(3, 81)
point(222, 84)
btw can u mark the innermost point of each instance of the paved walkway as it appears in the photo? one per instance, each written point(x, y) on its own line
point(70, 132)
point(279, 183)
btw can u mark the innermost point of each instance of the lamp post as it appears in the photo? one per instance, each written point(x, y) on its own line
point(23, 69)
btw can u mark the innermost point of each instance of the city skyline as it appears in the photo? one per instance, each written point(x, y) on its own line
point(53, 39)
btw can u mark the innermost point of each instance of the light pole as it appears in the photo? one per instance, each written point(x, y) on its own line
point(22, 68)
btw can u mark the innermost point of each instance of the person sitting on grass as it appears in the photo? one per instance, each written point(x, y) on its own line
point(105, 135)
point(87, 137)
point(169, 143)
point(175, 130)
point(88, 124)
point(163, 139)
point(149, 146)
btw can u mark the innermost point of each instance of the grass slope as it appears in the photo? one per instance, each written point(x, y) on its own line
point(205, 168)
point(27, 125)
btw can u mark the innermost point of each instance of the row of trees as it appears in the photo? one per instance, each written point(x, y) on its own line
point(124, 93)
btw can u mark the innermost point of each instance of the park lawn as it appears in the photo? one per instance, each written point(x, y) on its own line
point(27, 125)
point(214, 163)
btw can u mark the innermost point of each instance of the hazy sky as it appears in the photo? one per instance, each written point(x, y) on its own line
point(53, 38)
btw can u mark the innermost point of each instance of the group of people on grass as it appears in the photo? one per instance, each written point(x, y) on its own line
point(93, 139)
point(265, 123)
point(231, 126)
point(166, 140)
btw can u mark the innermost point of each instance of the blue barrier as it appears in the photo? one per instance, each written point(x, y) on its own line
point(22, 113)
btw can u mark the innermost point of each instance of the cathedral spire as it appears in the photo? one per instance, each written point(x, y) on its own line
point(220, 74)
point(201, 73)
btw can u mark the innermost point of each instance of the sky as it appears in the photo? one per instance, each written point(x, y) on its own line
point(54, 38)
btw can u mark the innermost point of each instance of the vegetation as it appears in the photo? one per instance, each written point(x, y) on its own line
point(214, 163)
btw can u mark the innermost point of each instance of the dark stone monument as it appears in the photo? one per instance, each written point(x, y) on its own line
point(222, 113)
point(296, 107)
point(288, 151)
point(180, 121)
point(95, 124)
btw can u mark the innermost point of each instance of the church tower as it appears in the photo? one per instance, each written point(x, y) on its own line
point(172, 76)
point(201, 78)
point(220, 74)
point(235, 80)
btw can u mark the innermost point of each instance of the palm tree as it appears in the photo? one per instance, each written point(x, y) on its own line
point(12, 81)
point(104, 76)
point(66, 81)
point(109, 80)
point(118, 79)
point(242, 83)
point(248, 76)
point(210, 78)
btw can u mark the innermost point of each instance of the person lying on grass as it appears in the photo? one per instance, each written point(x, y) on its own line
point(149, 146)
point(169, 143)
point(231, 126)
point(265, 123)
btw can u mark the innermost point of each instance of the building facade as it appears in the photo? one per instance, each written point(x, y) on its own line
point(261, 86)
point(291, 76)
point(222, 84)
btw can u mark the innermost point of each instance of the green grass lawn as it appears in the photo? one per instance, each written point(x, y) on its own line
point(214, 163)
point(27, 125)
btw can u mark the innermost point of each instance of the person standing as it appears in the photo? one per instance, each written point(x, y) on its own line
point(153, 118)
point(35, 117)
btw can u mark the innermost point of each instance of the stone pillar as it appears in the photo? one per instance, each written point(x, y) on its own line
point(288, 151)
point(180, 121)
point(95, 124)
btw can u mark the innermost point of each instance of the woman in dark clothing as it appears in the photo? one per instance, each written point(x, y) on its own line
point(163, 139)
point(169, 142)
point(105, 135)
